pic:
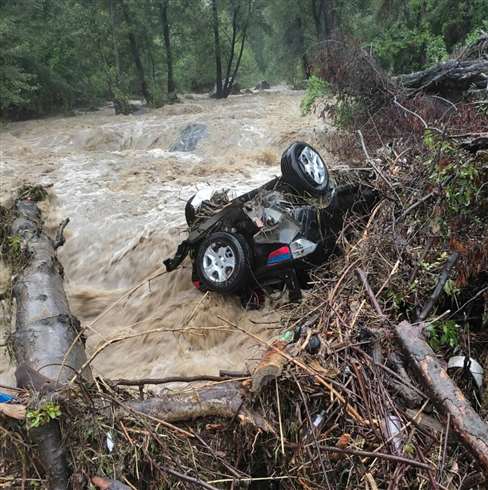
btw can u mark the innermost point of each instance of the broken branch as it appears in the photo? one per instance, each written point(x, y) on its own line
point(471, 429)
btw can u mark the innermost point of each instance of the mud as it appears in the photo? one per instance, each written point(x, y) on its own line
point(125, 192)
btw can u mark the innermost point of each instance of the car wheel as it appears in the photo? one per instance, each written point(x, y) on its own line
point(190, 214)
point(304, 170)
point(224, 262)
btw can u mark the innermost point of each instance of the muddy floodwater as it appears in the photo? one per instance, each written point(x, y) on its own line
point(125, 192)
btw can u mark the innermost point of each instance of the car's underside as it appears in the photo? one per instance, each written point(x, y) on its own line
point(272, 236)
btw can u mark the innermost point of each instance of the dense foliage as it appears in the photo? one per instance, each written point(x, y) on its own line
point(57, 54)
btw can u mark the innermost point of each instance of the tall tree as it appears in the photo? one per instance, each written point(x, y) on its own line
point(163, 13)
point(136, 56)
point(325, 18)
point(218, 56)
point(240, 25)
point(114, 40)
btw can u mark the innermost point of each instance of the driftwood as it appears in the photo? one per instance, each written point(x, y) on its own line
point(216, 400)
point(450, 79)
point(225, 400)
point(472, 430)
point(46, 345)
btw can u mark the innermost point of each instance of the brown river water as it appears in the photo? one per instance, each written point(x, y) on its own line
point(125, 193)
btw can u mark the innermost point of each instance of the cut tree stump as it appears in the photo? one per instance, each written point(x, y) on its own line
point(46, 335)
point(472, 430)
point(270, 367)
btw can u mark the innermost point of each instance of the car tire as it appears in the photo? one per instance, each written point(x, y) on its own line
point(190, 214)
point(304, 170)
point(223, 262)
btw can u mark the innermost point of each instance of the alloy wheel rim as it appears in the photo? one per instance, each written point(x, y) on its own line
point(313, 165)
point(219, 262)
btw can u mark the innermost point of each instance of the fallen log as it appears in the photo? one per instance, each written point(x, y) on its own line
point(449, 79)
point(475, 143)
point(225, 400)
point(472, 430)
point(46, 334)
point(218, 400)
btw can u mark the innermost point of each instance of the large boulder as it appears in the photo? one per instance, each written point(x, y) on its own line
point(190, 137)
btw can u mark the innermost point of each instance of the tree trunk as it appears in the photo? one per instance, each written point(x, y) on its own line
point(46, 334)
point(471, 429)
point(226, 400)
point(230, 80)
point(114, 41)
point(217, 400)
point(450, 79)
point(136, 54)
point(218, 56)
point(325, 19)
point(163, 10)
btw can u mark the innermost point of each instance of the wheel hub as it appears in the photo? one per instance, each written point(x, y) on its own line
point(219, 262)
point(313, 165)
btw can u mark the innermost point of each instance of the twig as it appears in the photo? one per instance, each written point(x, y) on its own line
point(157, 273)
point(347, 406)
point(224, 373)
point(190, 479)
point(169, 379)
point(371, 295)
point(376, 169)
point(182, 476)
point(234, 471)
point(415, 205)
point(390, 457)
point(121, 338)
point(279, 417)
point(444, 447)
point(312, 430)
point(420, 118)
point(253, 479)
point(444, 276)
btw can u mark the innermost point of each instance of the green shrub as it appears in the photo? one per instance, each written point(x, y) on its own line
point(443, 334)
point(316, 87)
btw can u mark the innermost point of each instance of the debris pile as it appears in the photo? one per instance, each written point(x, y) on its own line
point(377, 379)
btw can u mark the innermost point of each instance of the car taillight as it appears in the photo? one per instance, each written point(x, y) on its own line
point(279, 255)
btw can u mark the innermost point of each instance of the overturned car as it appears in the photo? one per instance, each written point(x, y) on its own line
point(272, 236)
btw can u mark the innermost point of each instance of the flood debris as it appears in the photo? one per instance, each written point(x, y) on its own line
point(270, 367)
point(334, 418)
point(465, 421)
point(468, 364)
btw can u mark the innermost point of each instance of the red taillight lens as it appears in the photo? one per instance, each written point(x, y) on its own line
point(279, 255)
